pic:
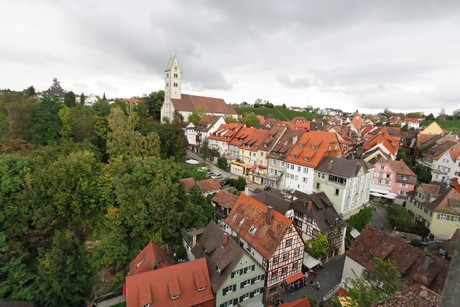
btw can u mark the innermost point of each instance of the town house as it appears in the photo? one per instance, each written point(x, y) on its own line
point(447, 166)
point(219, 139)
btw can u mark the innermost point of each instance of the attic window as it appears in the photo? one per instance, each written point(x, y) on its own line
point(404, 178)
point(218, 271)
point(294, 156)
point(241, 222)
point(175, 297)
point(253, 230)
point(301, 145)
point(202, 288)
point(139, 263)
point(235, 216)
point(314, 147)
point(272, 136)
point(265, 145)
point(306, 159)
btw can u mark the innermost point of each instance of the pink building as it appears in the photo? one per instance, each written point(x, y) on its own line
point(392, 180)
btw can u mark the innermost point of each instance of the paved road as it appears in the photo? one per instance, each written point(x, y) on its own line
point(329, 276)
point(380, 217)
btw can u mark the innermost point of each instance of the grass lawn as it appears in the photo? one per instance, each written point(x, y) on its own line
point(277, 113)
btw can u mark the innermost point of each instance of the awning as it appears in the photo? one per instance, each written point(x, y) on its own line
point(376, 194)
point(292, 278)
point(381, 191)
point(389, 196)
point(192, 161)
point(309, 261)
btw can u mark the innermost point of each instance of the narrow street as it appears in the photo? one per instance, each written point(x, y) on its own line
point(380, 218)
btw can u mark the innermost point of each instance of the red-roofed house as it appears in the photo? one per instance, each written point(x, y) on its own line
point(150, 258)
point(220, 138)
point(183, 284)
point(196, 134)
point(269, 237)
point(385, 142)
point(209, 186)
point(223, 202)
point(305, 156)
point(183, 104)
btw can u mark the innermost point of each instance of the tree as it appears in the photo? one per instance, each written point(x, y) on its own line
point(230, 119)
point(82, 98)
point(358, 221)
point(155, 102)
point(429, 117)
point(172, 139)
point(65, 115)
point(442, 114)
point(205, 151)
point(456, 114)
point(196, 115)
point(376, 284)
point(318, 247)
point(423, 173)
point(223, 164)
point(63, 272)
point(30, 91)
point(400, 218)
point(69, 99)
point(103, 97)
point(250, 120)
point(46, 124)
point(123, 140)
point(240, 183)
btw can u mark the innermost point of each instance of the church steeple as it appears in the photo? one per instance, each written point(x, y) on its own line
point(173, 79)
point(172, 88)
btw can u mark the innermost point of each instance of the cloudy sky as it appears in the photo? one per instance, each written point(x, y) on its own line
point(366, 55)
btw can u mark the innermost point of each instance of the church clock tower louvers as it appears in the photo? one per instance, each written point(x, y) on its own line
point(172, 88)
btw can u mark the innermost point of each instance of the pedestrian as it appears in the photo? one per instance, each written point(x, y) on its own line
point(318, 286)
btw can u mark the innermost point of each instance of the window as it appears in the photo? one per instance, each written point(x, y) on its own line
point(382, 167)
point(388, 175)
point(274, 162)
point(252, 230)
point(245, 283)
point(296, 252)
point(294, 266)
point(317, 185)
point(228, 289)
point(336, 192)
point(175, 84)
point(275, 260)
point(286, 256)
point(298, 168)
point(284, 271)
point(305, 179)
point(282, 163)
point(338, 180)
point(274, 273)
point(305, 170)
point(244, 297)
point(403, 185)
point(292, 166)
point(402, 193)
point(306, 159)
point(251, 268)
point(294, 156)
point(296, 177)
point(442, 216)
point(175, 75)
point(288, 243)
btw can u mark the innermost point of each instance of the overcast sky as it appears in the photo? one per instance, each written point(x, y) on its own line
point(366, 55)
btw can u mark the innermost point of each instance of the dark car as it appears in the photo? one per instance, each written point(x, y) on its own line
point(226, 181)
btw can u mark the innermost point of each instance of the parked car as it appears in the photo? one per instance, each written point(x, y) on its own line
point(210, 174)
point(216, 176)
point(226, 181)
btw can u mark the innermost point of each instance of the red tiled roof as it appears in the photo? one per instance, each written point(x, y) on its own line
point(150, 257)
point(241, 135)
point(384, 138)
point(417, 295)
point(303, 302)
point(210, 105)
point(450, 203)
point(225, 199)
point(226, 132)
point(399, 167)
point(254, 139)
point(248, 212)
point(188, 282)
point(187, 184)
point(312, 146)
point(208, 185)
point(454, 152)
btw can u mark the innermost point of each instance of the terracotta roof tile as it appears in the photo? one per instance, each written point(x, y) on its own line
point(247, 213)
point(415, 296)
point(399, 167)
point(210, 105)
point(225, 199)
point(187, 184)
point(149, 258)
point(208, 185)
point(189, 280)
point(312, 146)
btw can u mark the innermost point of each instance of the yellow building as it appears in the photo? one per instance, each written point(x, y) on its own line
point(436, 206)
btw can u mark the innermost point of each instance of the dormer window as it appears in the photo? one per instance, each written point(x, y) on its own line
point(314, 147)
point(241, 222)
point(253, 230)
point(175, 297)
point(294, 156)
point(301, 145)
point(217, 270)
point(202, 288)
point(306, 159)
point(235, 216)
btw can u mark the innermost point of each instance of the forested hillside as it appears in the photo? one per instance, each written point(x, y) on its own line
point(82, 190)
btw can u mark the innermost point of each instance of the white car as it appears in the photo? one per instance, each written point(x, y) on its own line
point(216, 176)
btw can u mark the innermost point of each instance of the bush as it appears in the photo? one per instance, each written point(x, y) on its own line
point(240, 183)
point(400, 218)
point(223, 164)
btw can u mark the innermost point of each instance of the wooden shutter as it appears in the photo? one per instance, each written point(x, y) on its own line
point(233, 274)
point(224, 291)
point(234, 287)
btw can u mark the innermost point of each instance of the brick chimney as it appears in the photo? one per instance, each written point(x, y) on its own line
point(309, 205)
point(269, 215)
point(224, 239)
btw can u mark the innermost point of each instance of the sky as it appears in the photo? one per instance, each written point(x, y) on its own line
point(366, 55)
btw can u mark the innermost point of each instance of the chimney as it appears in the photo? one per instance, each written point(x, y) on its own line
point(224, 239)
point(330, 164)
point(309, 205)
point(269, 215)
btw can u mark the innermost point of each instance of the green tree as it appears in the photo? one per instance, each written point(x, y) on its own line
point(69, 99)
point(230, 119)
point(172, 139)
point(63, 278)
point(423, 173)
point(155, 102)
point(375, 285)
point(67, 123)
point(358, 221)
point(400, 218)
point(223, 164)
point(45, 121)
point(240, 183)
point(205, 151)
point(30, 91)
point(250, 120)
point(429, 117)
point(123, 140)
point(82, 98)
point(318, 247)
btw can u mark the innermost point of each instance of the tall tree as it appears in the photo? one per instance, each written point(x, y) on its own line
point(82, 98)
point(250, 120)
point(45, 121)
point(155, 102)
point(30, 91)
point(69, 99)
point(63, 277)
point(318, 247)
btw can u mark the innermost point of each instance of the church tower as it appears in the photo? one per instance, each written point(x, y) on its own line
point(172, 87)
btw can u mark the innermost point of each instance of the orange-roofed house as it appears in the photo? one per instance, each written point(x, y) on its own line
point(357, 121)
point(238, 166)
point(384, 142)
point(150, 258)
point(432, 130)
point(208, 186)
point(177, 103)
point(184, 284)
point(269, 237)
point(250, 146)
point(219, 139)
point(305, 156)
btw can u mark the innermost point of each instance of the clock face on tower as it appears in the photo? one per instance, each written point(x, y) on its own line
point(175, 67)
